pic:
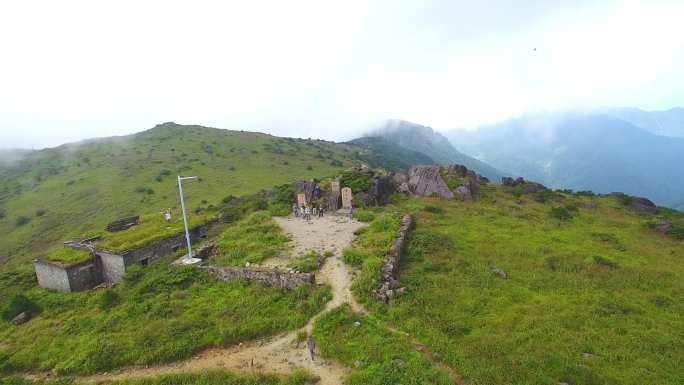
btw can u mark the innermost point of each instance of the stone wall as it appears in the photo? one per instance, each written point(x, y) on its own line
point(389, 286)
point(162, 247)
point(67, 278)
point(268, 277)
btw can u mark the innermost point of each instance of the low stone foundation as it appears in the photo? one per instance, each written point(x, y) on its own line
point(389, 286)
point(269, 277)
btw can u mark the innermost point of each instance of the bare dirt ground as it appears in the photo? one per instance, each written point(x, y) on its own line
point(280, 354)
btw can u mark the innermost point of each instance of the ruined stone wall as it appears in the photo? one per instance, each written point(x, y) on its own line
point(51, 276)
point(269, 277)
point(389, 286)
point(166, 246)
point(76, 277)
point(113, 266)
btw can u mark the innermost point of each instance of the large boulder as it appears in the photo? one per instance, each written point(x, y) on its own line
point(381, 187)
point(305, 187)
point(526, 186)
point(427, 181)
point(461, 171)
point(21, 318)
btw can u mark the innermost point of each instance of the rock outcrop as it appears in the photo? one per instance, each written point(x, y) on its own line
point(527, 187)
point(389, 286)
point(379, 191)
point(21, 318)
point(638, 204)
point(427, 181)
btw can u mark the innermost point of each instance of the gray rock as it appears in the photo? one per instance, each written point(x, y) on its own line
point(499, 273)
point(464, 193)
point(427, 181)
point(662, 226)
point(21, 318)
point(399, 362)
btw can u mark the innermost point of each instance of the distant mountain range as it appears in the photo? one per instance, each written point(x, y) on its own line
point(403, 144)
point(602, 151)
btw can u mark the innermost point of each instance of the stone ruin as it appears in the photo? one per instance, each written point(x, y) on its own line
point(106, 266)
point(123, 224)
point(389, 286)
point(265, 276)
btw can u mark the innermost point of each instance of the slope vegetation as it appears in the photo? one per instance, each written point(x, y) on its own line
point(52, 194)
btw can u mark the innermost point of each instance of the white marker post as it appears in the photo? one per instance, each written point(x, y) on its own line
point(188, 258)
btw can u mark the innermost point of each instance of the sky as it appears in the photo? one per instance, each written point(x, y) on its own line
point(71, 70)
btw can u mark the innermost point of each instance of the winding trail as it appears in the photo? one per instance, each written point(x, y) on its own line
point(279, 354)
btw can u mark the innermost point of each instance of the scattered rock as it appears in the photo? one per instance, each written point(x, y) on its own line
point(399, 362)
point(587, 355)
point(358, 364)
point(499, 273)
point(464, 193)
point(357, 323)
point(21, 318)
point(205, 251)
point(638, 204)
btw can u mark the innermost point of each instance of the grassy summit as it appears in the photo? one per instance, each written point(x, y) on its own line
point(592, 296)
point(74, 189)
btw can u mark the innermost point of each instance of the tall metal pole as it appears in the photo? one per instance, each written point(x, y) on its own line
point(185, 219)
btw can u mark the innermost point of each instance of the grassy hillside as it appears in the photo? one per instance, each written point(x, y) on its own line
point(592, 296)
point(380, 152)
point(49, 195)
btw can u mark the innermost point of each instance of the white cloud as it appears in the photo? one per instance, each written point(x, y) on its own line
point(76, 69)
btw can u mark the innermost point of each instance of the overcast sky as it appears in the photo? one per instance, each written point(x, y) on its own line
point(71, 70)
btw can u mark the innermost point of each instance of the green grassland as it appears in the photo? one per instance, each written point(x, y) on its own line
point(160, 313)
point(252, 239)
point(75, 189)
point(592, 296)
point(215, 377)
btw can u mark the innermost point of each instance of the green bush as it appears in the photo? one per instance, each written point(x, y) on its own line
point(356, 180)
point(364, 216)
point(17, 305)
point(603, 261)
point(561, 213)
point(353, 256)
point(434, 209)
point(676, 232)
point(108, 299)
point(22, 220)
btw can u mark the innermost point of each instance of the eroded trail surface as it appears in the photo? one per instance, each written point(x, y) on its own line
point(280, 354)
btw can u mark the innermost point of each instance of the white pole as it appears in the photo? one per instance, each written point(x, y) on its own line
point(185, 219)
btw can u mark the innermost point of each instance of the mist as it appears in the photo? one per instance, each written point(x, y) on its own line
point(77, 69)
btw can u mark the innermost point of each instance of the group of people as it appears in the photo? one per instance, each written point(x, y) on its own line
point(305, 212)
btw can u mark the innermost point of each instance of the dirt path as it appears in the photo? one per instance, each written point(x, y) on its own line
point(280, 354)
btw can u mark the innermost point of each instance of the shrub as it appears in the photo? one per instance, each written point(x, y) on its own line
point(22, 220)
point(108, 299)
point(17, 305)
point(676, 232)
point(561, 213)
point(3, 214)
point(40, 212)
point(364, 216)
point(356, 180)
point(434, 209)
point(353, 256)
point(228, 199)
point(603, 261)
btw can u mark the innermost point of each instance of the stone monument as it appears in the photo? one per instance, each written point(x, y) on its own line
point(346, 197)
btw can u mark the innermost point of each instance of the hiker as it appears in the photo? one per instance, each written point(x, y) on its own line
point(351, 213)
point(302, 211)
point(295, 210)
point(311, 346)
point(307, 213)
point(320, 211)
point(314, 211)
